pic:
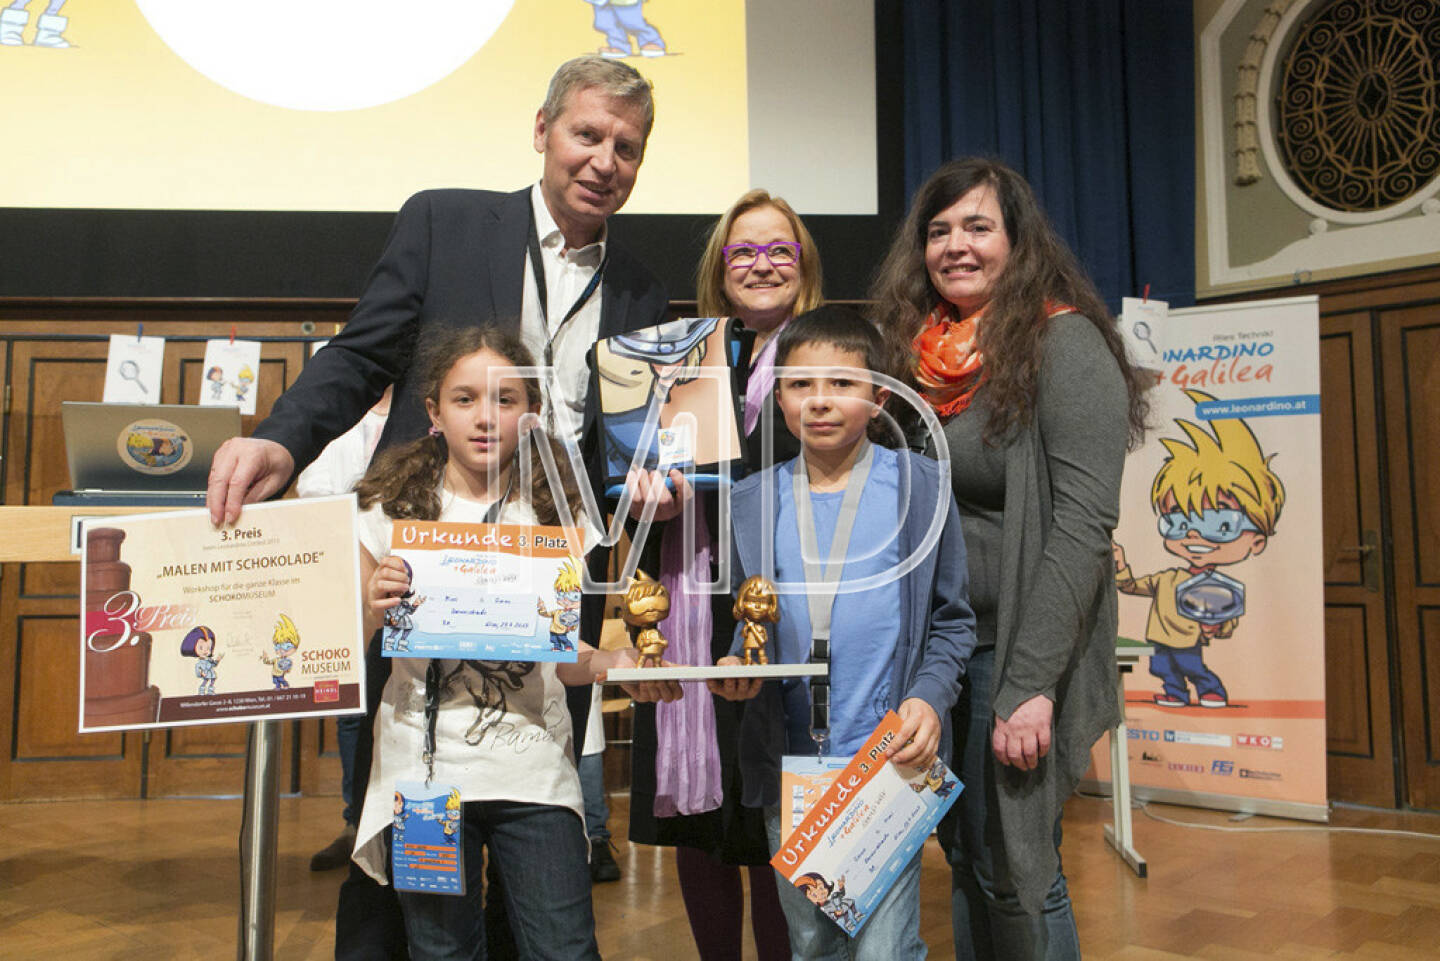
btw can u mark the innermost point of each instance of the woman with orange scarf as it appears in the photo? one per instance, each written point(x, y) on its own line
point(1011, 345)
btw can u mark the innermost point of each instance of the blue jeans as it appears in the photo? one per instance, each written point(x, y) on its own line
point(990, 924)
point(1176, 665)
point(592, 787)
point(892, 932)
point(347, 736)
point(539, 850)
point(617, 23)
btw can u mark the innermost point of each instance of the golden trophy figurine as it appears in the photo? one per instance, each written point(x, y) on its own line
point(647, 603)
point(755, 603)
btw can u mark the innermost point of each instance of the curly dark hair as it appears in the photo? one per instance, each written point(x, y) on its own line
point(1040, 268)
point(405, 480)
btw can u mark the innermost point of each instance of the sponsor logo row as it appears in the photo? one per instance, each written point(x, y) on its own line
point(1207, 739)
point(1222, 767)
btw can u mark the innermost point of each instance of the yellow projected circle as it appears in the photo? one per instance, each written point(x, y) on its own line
point(325, 54)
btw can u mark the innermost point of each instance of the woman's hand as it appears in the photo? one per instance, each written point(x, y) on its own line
point(386, 585)
point(733, 688)
point(919, 737)
point(643, 691)
point(1023, 739)
point(648, 486)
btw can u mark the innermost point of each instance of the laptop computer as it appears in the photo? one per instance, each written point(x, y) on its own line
point(142, 454)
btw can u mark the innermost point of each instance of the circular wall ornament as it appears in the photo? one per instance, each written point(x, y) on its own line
point(1357, 107)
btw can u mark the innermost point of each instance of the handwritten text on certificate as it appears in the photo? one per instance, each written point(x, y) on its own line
point(865, 829)
point(485, 592)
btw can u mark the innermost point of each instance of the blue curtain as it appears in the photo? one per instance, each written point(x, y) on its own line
point(1091, 100)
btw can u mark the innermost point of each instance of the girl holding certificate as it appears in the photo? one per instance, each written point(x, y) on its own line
point(496, 733)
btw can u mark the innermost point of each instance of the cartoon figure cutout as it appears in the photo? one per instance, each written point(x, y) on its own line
point(1218, 502)
point(829, 898)
point(285, 640)
point(200, 644)
point(565, 618)
point(451, 823)
point(400, 619)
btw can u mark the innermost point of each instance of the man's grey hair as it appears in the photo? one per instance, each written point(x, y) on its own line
point(618, 80)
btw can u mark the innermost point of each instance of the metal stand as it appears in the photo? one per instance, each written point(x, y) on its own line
point(1118, 831)
point(258, 843)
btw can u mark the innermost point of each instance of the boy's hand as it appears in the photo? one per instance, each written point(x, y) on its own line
point(643, 691)
point(1118, 552)
point(646, 486)
point(387, 584)
point(733, 688)
point(919, 736)
point(1023, 739)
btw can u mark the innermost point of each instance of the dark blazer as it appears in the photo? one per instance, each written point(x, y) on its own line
point(453, 257)
point(937, 627)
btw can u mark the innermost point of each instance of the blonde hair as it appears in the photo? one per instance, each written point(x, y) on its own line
point(617, 80)
point(710, 275)
point(1229, 461)
point(285, 631)
point(568, 579)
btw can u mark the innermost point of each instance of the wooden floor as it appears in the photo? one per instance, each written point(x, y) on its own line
point(159, 880)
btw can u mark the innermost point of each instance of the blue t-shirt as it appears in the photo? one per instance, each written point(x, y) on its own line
point(864, 625)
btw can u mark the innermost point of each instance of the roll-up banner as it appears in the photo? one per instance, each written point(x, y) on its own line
point(1218, 561)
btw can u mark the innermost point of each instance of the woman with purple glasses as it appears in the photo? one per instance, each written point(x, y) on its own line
point(760, 266)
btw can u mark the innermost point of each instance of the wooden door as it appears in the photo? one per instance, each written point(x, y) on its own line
point(1360, 740)
point(1411, 387)
point(39, 643)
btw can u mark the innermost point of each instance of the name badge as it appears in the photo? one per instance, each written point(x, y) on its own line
point(427, 851)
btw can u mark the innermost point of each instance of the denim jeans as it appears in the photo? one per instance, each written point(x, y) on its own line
point(592, 787)
point(347, 736)
point(990, 924)
point(539, 851)
point(892, 933)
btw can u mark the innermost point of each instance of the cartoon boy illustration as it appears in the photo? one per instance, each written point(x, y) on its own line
point(200, 644)
point(401, 815)
point(450, 823)
point(633, 369)
point(566, 615)
point(400, 619)
point(617, 20)
point(286, 639)
point(1218, 502)
point(829, 898)
point(49, 26)
point(243, 381)
point(216, 378)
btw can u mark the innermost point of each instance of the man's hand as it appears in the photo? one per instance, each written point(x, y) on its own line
point(245, 470)
point(919, 736)
point(646, 486)
point(733, 688)
point(1023, 739)
point(643, 691)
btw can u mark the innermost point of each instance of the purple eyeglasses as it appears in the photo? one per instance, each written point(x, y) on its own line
point(780, 253)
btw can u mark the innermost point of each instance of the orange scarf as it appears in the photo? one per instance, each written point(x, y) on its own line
point(948, 363)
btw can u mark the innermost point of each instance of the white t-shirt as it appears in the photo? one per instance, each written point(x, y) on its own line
point(517, 748)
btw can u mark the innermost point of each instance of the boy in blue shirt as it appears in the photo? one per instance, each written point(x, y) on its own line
point(892, 642)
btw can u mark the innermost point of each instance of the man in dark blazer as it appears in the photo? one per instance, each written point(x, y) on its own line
point(458, 257)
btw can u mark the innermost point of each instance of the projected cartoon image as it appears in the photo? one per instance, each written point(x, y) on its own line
point(638, 372)
point(619, 20)
point(1218, 503)
point(49, 26)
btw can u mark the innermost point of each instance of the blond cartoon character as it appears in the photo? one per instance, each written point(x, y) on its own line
point(450, 824)
point(565, 618)
point(637, 368)
point(285, 640)
point(1218, 503)
point(756, 603)
point(646, 604)
point(244, 380)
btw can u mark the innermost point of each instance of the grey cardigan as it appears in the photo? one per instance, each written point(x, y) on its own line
point(1056, 616)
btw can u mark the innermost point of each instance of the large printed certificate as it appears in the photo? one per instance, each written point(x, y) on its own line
point(493, 592)
point(185, 623)
point(864, 829)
